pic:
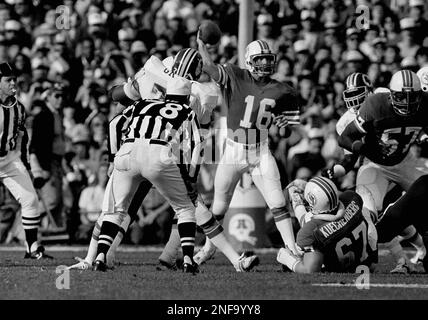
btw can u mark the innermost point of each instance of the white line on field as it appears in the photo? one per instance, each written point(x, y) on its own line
point(376, 285)
point(59, 248)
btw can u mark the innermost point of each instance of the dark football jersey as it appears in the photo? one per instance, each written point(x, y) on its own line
point(384, 126)
point(251, 104)
point(344, 243)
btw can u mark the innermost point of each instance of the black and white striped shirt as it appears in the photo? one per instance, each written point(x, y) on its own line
point(12, 128)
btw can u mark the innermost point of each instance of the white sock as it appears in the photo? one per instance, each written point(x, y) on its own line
point(225, 247)
point(285, 228)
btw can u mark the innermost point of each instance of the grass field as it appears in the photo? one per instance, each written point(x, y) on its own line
point(137, 278)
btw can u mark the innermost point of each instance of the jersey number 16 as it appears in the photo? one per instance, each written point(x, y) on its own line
point(264, 117)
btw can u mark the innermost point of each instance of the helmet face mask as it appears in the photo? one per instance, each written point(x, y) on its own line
point(406, 103)
point(259, 59)
point(406, 92)
point(262, 64)
point(354, 97)
point(358, 87)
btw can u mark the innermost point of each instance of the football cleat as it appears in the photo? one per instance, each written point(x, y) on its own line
point(190, 266)
point(246, 262)
point(81, 265)
point(38, 254)
point(403, 267)
point(204, 255)
point(99, 265)
point(165, 266)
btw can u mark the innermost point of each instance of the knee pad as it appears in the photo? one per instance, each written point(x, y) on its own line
point(29, 205)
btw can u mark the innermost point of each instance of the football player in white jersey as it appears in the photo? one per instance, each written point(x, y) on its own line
point(202, 104)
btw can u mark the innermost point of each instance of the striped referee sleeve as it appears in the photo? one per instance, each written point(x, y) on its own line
point(117, 128)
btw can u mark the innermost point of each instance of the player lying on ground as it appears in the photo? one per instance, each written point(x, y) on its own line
point(336, 231)
point(382, 130)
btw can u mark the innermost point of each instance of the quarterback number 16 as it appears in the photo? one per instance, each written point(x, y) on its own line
point(264, 117)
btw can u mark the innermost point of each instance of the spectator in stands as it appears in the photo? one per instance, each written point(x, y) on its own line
point(90, 204)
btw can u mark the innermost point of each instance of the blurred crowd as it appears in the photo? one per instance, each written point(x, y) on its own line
point(81, 48)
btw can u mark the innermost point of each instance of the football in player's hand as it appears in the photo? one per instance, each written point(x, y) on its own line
point(209, 32)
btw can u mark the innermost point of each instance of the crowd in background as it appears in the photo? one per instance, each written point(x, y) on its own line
point(87, 46)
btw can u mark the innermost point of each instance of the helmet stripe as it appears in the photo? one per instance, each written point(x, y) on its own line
point(260, 44)
point(182, 61)
point(330, 192)
point(185, 62)
point(191, 61)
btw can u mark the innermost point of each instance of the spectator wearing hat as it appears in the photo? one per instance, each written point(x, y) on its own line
point(27, 15)
point(47, 148)
point(97, 30)
point(16, 38)
point(288, 35)
point(264, 29)
point(308, 32)
point(139, 54)
point(391, 27)
point(304, 60)
point(90, 204)
point(379, 46)
point(408, 45)
point(176, 30)
point(367, 46)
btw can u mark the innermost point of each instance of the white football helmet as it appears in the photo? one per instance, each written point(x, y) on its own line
point(259, 59)
point(321, 194)
point(423, 76)
point(406, 92)
point(358, 87)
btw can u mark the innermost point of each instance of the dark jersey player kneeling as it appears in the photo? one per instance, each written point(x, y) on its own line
point(336, 233)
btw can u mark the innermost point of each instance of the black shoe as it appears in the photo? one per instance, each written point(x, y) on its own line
point(165, 266)
point(38, 254)
point(189, 266)
point(99, 265)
